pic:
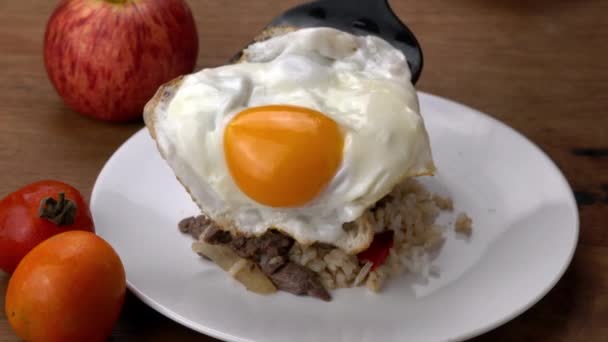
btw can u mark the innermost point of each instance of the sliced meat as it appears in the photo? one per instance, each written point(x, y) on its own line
point(270, 251)
point(194, 225)
point(275, 243)
point(269, 265)
point(245, 247)
point(271, 244)
point(216, 236)
point(197, 225)
point(299, 280)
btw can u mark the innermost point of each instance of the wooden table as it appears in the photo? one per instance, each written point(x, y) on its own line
point(540, 66)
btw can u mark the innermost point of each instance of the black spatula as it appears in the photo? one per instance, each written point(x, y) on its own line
point(360, 17)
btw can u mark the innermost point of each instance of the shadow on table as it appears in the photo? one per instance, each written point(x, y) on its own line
point(139, 322)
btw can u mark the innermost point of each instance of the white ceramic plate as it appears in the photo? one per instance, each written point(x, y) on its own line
point(525, 232)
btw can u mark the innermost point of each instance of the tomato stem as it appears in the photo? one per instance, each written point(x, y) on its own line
point(62, 212)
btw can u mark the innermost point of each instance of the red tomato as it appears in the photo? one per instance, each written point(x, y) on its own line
point(36, 212)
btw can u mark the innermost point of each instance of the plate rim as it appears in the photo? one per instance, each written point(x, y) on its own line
point(499, 322)
point(198, 327)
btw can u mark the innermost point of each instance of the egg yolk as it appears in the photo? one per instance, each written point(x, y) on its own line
point(281, 155)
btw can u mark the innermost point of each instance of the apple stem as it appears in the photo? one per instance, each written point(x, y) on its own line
point(61, 212)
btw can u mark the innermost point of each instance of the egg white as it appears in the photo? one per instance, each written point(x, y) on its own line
point(362, 83)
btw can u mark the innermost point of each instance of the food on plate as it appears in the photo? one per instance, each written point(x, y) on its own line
point(243, 270)
point(70, 287)
point(301, 156)
point(36, 212)
point(316, 106)
point(409, 213)
point(463, 224)
point(269, 252)
point(107, 58)
point(444, 203)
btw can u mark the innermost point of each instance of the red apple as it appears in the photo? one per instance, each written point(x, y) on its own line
point(106, 58)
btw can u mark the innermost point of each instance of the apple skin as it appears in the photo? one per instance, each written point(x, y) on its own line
point(107, 58)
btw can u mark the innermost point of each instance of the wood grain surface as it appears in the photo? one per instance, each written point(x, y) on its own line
point(540, 66)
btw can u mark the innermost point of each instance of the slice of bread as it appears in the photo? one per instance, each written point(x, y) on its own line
point(358, 234)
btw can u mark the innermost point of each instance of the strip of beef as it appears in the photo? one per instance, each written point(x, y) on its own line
point(271, 264)
point(299, 280)
point(216, 236)
point(270, 251)
point(195, 226)
point(271, 244)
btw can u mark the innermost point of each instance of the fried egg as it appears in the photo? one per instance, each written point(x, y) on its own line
point(313, 128)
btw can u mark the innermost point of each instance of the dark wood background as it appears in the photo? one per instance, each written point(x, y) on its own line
point(540, 66)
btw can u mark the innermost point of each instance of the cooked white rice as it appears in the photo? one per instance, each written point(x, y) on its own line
point(463, 224)
point(410, 212)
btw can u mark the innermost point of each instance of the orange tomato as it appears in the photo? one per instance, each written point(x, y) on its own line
point(71, 287)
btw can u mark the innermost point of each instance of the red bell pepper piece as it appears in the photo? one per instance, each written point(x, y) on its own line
point(379, 249)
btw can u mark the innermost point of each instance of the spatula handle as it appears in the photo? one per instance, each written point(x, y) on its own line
point(362, 6)
point(361, 17)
